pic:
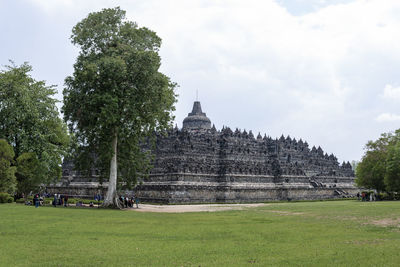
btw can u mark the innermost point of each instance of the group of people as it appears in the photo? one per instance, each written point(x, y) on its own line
point(128, 202)
point(367, 196)
point(97, 197)
point(60, 200)
point(37, 201)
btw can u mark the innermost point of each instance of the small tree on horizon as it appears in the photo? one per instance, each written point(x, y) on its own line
point(392, 175)
point(116, 95)
point(379, 167)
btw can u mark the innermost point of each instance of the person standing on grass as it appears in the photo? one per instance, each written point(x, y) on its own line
point(65, 200)
point(36, 200)
point(137, 202)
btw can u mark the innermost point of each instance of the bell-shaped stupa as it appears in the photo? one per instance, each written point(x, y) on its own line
point(196, 120)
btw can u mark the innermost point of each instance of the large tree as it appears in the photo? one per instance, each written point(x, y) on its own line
point(29, 119)
point(116, 96)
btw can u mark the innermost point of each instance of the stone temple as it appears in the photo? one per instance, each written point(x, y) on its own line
point(200, 164)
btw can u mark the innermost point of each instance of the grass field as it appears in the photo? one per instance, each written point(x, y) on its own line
point(332, 233)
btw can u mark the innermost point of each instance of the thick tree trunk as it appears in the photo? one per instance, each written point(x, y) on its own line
point(111, 199)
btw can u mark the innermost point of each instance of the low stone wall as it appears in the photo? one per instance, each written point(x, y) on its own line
point(79, 190)
point(199, 188)
point(230, 193)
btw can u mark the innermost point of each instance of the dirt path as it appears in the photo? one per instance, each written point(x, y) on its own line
point(195, 208)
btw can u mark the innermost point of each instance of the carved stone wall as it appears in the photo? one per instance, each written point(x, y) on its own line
point(200, 164)
point(225, 152)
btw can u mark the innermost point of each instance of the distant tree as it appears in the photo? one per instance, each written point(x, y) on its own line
point(370, 172)
point(29, 173)
point(7, 172)
point(354, 164)
point(372, 169)
point(29, 119)
point(116, 96)
point(392, 176)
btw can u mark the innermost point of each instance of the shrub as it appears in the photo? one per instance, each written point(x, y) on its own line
point(6, 198)
point(72, 201)
point(389, 196)
point(84, 201)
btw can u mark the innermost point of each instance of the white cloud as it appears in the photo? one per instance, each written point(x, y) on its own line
point(51, 6)
point(388, 117)
point(391, 92)
point(258, 64)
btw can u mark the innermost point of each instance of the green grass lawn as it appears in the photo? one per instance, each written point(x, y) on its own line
point(332, 233)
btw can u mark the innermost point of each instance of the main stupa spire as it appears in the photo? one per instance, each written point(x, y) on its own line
point(196, 119)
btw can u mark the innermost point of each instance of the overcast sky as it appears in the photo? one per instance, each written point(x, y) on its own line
point(323, 71)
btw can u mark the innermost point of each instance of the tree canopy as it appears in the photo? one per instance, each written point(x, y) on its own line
point(7, 172)
point(29, 173)
point(392, 175)
point(116, 96)
point(380, 166)
point(29, 119)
